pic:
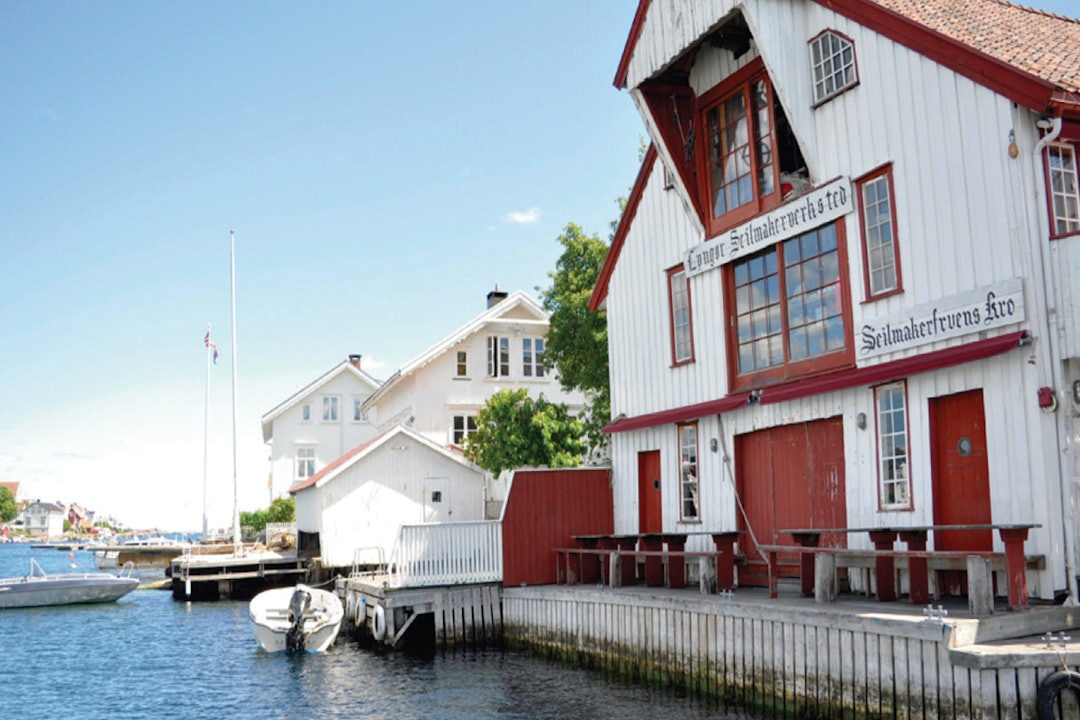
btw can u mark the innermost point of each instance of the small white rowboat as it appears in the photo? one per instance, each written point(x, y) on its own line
point(299, 619)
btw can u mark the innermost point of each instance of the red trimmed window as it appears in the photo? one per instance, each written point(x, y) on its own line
point(688, 471)
point(741, 174)
point(881, 253)
point(890, 402)
point(682, 327)
point(832, 60)
point(790, 309)
point(1063, 179)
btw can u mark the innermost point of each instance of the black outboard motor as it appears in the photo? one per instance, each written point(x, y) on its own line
point(298, 607)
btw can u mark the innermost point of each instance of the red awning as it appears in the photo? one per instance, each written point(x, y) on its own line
point(680, 414)
point(894, 370)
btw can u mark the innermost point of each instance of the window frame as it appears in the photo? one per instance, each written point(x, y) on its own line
point(879, 442)
point(305, 412)
point(1074, 149)
point(672, 275)
point(789, 370)
point(532, 359)
point(330, 408)
point(693, 486)
point(840, 89)
point(740, 81)
point(468, 427)
point(497, 367)
point(875, 175)
point(461, 365)
point(305, 462)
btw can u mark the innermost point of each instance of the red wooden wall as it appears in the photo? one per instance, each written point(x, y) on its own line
point(546, 507)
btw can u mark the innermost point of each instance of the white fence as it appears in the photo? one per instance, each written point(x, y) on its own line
point(456, 553)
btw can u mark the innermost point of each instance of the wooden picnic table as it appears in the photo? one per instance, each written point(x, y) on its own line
point(1013, 536)
point(654, 549)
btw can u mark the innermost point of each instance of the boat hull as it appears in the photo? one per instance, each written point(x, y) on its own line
point(270, 620)
point(75, 589)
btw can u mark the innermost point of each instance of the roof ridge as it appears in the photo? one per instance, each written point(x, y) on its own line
point(1036, 11)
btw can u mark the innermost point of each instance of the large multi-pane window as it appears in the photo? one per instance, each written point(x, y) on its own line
point(532, 357)
point(498, 360)
point(880, 251)
point(892, 431)
point(832, 60)
point(682, 339)
point(688, 470)
point(789, 309)
point(305, 462)
point(742, 168)
point(1064, 179)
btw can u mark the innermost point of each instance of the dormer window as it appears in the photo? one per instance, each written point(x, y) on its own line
point(741, 174)
point(832, 60)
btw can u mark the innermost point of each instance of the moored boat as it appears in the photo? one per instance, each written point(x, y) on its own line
point(296, 619)
point(38, 589)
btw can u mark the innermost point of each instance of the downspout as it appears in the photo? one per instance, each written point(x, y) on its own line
point(1067, 514)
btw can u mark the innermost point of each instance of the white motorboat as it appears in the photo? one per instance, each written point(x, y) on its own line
point(296, 619)
point(37, 589)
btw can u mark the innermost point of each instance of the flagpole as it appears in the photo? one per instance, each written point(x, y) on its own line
point(237, 546)
point(206, 434)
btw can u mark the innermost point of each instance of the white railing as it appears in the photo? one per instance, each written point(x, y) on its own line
point(455, 553)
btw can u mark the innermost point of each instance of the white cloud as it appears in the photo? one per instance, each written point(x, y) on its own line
point(524, 217)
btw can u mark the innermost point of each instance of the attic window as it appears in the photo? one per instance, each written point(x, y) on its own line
point(832, 59)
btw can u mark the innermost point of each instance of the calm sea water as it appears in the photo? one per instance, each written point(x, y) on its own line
point(148, 656)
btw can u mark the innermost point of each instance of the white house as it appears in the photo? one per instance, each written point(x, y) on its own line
point(845, 290)
point(439, 393)
point(358, 502)
point(44, 519)
point(317, 424)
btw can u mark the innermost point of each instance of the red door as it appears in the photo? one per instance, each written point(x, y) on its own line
point(789, 477)
point(650, 510)
point(960, 478)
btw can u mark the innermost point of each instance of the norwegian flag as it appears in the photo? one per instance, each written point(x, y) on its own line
point(209, 344)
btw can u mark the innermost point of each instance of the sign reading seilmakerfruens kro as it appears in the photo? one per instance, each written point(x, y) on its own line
point(815, 208)
point(984, 309)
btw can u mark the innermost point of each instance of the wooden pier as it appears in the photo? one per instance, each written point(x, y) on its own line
point(219, 576)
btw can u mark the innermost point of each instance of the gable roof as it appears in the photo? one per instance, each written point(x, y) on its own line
point(361, 451)
point(1028, 55)
point(515, 300)
point(12, 485)
point(346, 366)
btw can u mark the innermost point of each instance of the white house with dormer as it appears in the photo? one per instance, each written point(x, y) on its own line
point(438, 393)
point(317, 424)
point(844, 290)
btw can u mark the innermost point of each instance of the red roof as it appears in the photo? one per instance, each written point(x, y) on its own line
point(1027, 55)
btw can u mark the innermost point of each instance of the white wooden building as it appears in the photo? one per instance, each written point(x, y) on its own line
point(845, 290)
point(317, 424)
point(44, 519)
point(439, 392)
point(358, 503)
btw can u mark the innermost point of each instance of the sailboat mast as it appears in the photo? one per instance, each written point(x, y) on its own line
point(236, 498)
point(206, 433)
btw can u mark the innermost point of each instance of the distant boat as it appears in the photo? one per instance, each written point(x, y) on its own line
point(37, 589)
point(299, 619)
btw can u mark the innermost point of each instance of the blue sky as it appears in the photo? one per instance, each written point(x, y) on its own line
point(383, 165)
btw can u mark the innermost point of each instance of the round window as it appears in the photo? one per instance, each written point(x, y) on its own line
point(964, 447)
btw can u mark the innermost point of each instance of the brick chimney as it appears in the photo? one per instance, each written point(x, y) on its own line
point(495, 297)
point(355, 360)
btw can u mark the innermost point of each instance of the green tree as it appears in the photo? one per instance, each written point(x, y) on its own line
point(281, 510)
point(577, 340)
point(8, 507)
point(513, 430)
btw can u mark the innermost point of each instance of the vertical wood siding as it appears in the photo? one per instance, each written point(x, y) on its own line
point(965, 218)
point(543, 509)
